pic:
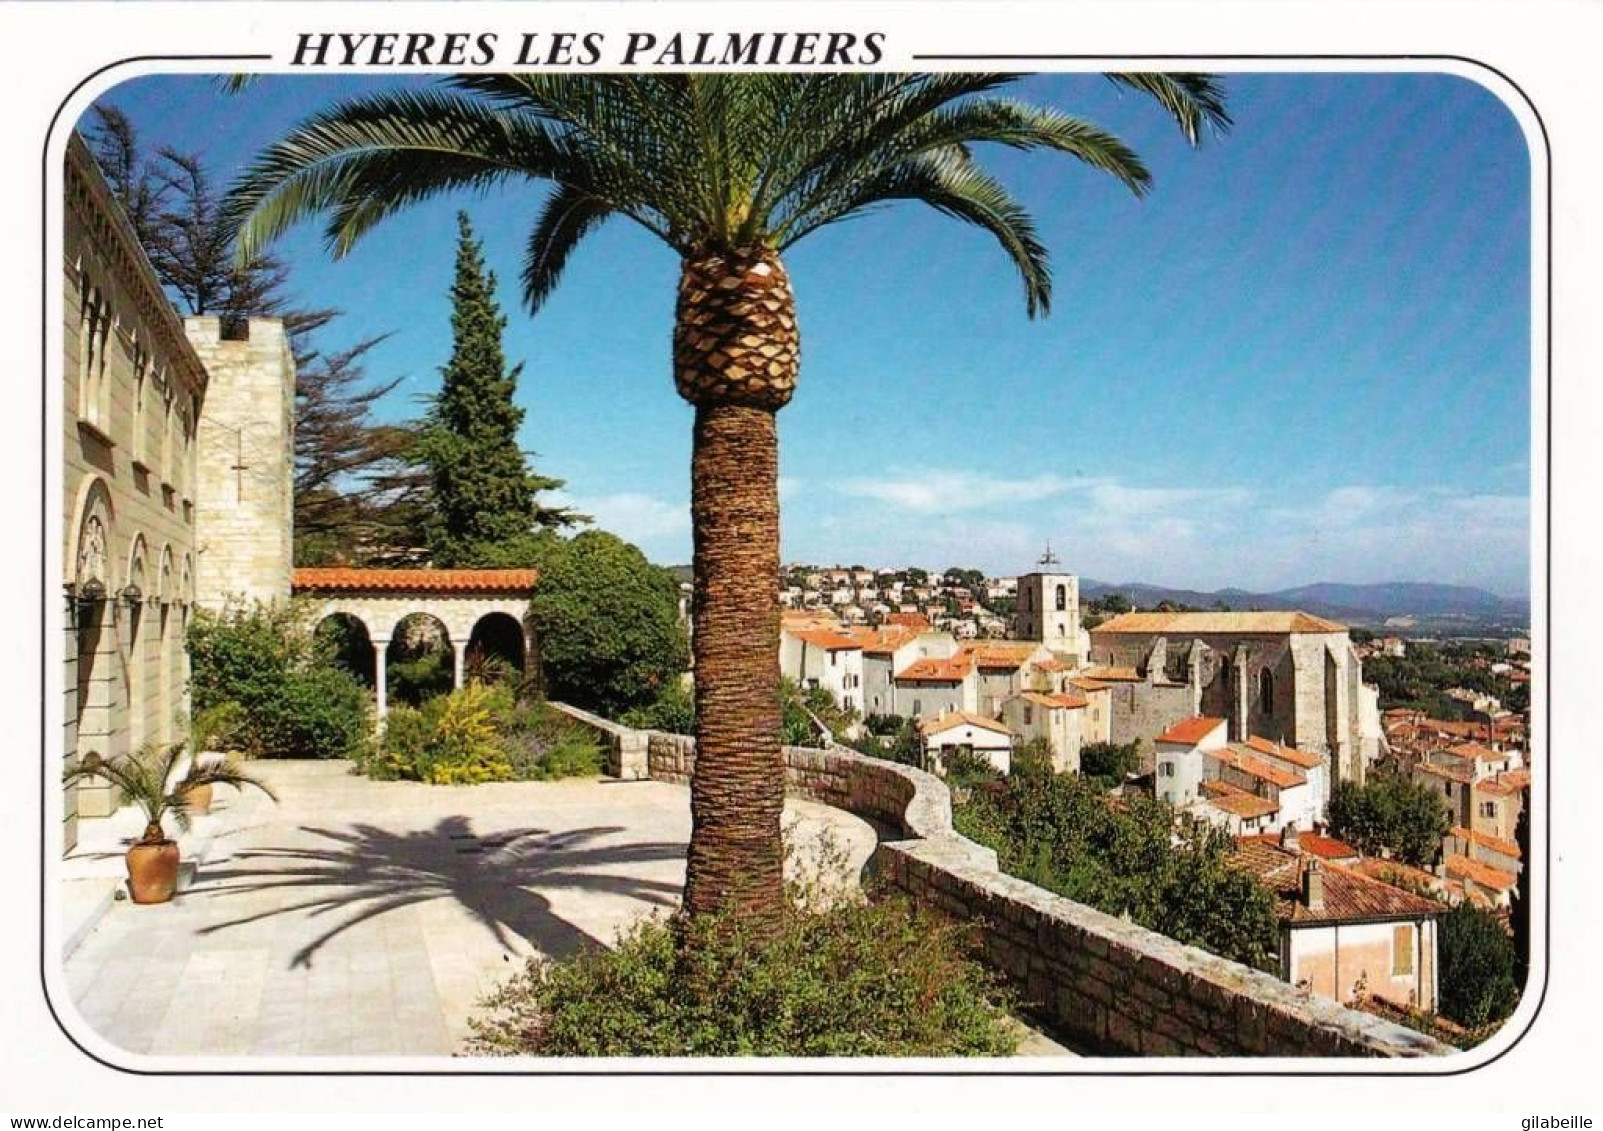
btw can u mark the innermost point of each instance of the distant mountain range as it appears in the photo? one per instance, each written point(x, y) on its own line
point(1356, 604)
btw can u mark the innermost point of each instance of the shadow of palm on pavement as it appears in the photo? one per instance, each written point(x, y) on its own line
point(499, 878)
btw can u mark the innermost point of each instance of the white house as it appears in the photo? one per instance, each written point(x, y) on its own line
point(935, 686)
point(1303, 809)
point(1056, 718)
point(1178, 754)
point(963, 730)
point(1342, 932)
point(890, 649)
point(824, 657)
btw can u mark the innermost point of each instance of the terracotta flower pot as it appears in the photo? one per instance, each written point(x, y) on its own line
point(153, 871)
point(199, 798)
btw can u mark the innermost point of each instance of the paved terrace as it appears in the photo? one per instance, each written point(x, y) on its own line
point(359, 917)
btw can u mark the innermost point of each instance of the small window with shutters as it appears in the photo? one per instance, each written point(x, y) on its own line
point(1402, 951)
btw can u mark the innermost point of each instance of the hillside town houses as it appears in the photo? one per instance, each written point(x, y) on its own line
point(1245, 721)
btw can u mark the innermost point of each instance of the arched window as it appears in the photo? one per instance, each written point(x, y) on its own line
point(94, 328)
point(1063, 598)
point(1266, 692)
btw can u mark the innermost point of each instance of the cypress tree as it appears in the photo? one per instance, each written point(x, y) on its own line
point(487, 510)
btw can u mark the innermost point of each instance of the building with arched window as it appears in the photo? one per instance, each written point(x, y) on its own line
point(177, 450)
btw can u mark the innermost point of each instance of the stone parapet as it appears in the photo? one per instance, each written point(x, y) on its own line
point(1112, 986)
point(625, 747)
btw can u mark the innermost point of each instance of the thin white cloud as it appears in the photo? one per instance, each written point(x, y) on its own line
point(941, 491)
point(633, 516)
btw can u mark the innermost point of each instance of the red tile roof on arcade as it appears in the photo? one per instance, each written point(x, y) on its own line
point(340, 579)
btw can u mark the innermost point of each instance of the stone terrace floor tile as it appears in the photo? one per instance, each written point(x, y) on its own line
point(360, 918)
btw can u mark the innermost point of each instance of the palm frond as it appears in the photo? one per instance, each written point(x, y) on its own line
point(364, 159)
point(569, 215)
point(1192, 100)
point(954, 184)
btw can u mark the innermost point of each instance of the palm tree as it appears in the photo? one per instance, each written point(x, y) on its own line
point(149, 779)
point(730, 171)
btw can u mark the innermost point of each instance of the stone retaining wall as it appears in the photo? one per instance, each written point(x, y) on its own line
point(1107, 984)
point(625, 747)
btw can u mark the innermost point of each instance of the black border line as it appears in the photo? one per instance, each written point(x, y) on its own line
point(46, 262)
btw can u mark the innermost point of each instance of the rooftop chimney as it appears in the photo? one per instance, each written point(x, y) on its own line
point(1288, 838)
point(1313, 886)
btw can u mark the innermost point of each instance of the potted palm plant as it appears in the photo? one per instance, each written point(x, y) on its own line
point(212, 735)
point(149, 778)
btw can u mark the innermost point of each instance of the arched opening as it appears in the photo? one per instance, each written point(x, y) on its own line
point(344, 639)
point(168, 629)
point(1266, 692)
point(419, 663)
point(1063, 598)
point(92, 593)
point(495, 651)
point(138, 641)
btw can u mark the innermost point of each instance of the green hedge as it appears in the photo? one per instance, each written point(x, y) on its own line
point(887, 978)
point(294, 701)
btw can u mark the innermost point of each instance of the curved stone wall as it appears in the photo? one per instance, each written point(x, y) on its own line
point(1109, 985)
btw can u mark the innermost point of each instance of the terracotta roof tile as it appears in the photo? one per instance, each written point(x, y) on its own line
point(1086, 683)
point(1053, 702)
point(828, 640)
point(1111, 674)
point(1350, 895)
point(338, 579)
point(1463, 868)
point(1000, 655)
point(1239, 802)
point(1248, 763)
point(965, 718)
point(954, 670)
point(1453, 773)
point(1315, 844)
point(1218, 622)
point(1189, 732)
point(909, 620)
point(1487, 840)
point(1284, 753)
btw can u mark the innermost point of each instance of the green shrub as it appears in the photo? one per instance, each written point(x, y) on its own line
point(964, 767)
point(292, 700)
point(1060, 832)
point(314, 713)
point(481, 734)
point(1390, 812)
point(1109, 762)
point(415, 677)
point(674, 711)
point(1477, 971)
point(608, 622)
point(855, 979)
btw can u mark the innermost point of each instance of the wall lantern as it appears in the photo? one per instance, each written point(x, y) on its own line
point(89, 595)
point(132, 595)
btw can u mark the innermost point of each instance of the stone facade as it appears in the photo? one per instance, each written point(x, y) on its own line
point(1108, 985)
point(167, 496)
point(132, 392)
point(245, 491)
point(1048, 612)
point(1288, 677)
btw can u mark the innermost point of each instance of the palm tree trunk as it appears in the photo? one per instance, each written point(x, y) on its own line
point(735, 359)
point(738, 789)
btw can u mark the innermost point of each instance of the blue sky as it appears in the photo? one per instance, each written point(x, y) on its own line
point(1304, 357)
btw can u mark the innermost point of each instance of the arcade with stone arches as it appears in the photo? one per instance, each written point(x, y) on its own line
point(473, 610)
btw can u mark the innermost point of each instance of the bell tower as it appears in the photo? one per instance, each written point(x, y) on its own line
point(1049, 608)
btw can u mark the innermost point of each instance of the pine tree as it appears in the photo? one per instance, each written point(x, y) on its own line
point(486, 501)
point(358, 497)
